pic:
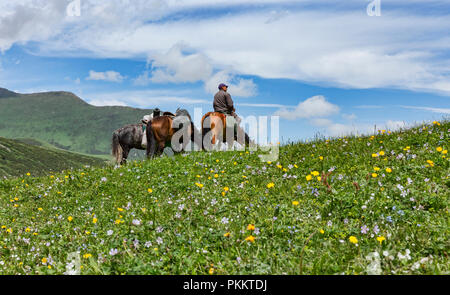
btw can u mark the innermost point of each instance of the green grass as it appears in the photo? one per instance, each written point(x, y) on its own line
point(196, 217)
point(63, 120)
point(18, 157)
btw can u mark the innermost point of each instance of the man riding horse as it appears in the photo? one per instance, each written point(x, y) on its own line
point(224, 104)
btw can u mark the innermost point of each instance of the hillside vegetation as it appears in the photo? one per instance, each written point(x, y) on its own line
point(29, 156)
point(354, 205)
point(64, 120)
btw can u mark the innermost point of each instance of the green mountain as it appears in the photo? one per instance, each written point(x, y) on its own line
point(26, 156)
point(64, 120)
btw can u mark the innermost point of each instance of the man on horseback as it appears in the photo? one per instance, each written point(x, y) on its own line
point(224, 104)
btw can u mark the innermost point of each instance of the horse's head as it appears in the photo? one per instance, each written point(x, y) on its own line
point(183, 112)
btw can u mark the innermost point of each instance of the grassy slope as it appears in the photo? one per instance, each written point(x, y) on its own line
point(63, 120)
point(182, 228)
point(26, 156)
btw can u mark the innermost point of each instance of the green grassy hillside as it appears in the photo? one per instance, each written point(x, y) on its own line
point(63, 120)
point(28, 156)
point(355, 205)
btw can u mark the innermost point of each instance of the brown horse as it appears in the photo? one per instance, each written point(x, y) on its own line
point(160, 131)
point(218, 130)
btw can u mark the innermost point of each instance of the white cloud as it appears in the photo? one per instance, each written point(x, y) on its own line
point(144, 98)
point(401, 49)
point(236, 86)
point(174, 66)
point(349, 117)
point(316, 106)
point(109, 76)
point(434, 110)
point(395, 125)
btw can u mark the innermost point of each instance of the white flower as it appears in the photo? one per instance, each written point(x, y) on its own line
point(225, 220)
point(136, 222)
point(110, 232)
point(159, 240)
point(113, 252)
point(104, 179)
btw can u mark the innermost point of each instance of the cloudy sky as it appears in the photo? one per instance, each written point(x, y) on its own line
point(323, 66)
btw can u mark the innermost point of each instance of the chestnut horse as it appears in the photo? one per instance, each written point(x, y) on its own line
point(160, 131)
point(217, 129)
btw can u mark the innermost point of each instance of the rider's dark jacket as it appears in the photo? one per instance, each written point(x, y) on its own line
point(223, 102)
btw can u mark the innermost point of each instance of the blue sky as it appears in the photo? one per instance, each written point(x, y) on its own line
point(322, 67)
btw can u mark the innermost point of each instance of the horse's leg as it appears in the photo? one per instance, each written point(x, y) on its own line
point(126, 151)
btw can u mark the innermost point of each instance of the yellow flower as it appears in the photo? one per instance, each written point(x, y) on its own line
point(271, 185)
point(376, 168)
point(315, 173)
point(28, 174)
point(226, 235)
point(381, 239)
point(235, 163)
point(251, 227)
point(295, 203)
point(150, 190)
point(226, 188)
point(439, 149)
point(319, 178)
point(353, 240)
point(322, 231)
point(388, 170)
point(94, 220)
point(374, 155)
point(308, 177)
point(295, 165)
point(374, 175)
point(217, 161)
point(444, 152)
point(211, 271)
point(40, 209)
point(381, 153)
point(44, 260)
point(27, 229)
point(120, 209)
point(117, 221)
point(87, 255)
point(270, 163)
point(216, 175)
point(431, 163)
point(70, 218)
point(321, 158)
point(199, 185)
point(250, 239)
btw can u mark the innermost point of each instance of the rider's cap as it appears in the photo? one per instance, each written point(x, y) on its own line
point(222, 85)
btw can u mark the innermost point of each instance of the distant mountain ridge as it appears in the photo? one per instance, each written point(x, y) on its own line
point(64, 120)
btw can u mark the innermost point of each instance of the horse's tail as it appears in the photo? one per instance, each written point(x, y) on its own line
point(204, 130)
point(151, 141)
point(117, 150)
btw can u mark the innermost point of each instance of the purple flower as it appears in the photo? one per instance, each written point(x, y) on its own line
point(364, 229)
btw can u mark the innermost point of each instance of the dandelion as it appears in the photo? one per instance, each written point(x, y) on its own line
point(353, 240)
point(374, 175)
point(374, 155)
point(315, 173)
point(322, 231)
point(251, 227)
point(211, 271)
point(381, 153)
point(226, 189)
point(381, 239)
point(199, 185)
point(295, 203)
point(431, 163)
point(439, 149)
point(44, 260)
point(388, 170)
point(376, 168)
point(150, 191)
point(87, 255)
point(445, 152)
point(226, 235)
point(70, 218)
point(308, 177)
point(250, 239)
point(271, 185)
point(94, 220)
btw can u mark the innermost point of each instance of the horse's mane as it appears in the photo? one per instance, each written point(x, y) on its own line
point(183, 112)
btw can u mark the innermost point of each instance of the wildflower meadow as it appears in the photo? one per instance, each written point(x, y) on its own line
point(353, 205)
